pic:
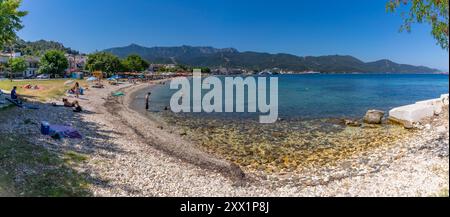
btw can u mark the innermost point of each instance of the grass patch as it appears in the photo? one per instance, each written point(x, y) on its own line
point(33, 171)
point(51, 89)
point(73, 157)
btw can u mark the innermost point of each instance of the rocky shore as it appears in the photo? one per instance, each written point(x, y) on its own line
point(128, 154)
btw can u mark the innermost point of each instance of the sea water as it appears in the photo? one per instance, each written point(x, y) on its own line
point(336, 95)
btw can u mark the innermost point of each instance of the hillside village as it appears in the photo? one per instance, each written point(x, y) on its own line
point(76, 63)
point(76, 66)
point(31, 54)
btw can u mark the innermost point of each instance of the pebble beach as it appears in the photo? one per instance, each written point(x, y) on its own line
point(129, 154)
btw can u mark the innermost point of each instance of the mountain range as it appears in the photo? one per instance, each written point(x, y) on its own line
point(232, 58)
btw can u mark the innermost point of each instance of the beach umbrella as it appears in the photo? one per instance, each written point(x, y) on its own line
point(69, 82)
point(92, 79)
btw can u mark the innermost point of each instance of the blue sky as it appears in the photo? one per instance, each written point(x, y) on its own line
point(301, 27)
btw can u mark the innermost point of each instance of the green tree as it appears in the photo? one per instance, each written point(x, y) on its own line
point(135, 63)
point(17, 65)
point(433, 12)
point(205, 70)
point(10, 21)
point(181, 67)
point(54, 63)
point(105, 62)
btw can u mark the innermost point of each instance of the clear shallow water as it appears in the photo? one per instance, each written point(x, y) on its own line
point(311, 142)
point(336, 95)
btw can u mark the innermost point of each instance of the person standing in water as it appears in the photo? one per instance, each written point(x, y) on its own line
point(147, 101)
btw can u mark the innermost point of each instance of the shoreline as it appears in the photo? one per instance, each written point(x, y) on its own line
point(125, 156)
point(326, 181)
point(163, 140)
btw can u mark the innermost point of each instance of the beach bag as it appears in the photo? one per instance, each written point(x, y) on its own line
point(59, 131)
point(45, 128)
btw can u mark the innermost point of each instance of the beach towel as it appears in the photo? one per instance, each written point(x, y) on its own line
point(118, 94)
point(91, 79)
point(60, 131)
point(55, 104)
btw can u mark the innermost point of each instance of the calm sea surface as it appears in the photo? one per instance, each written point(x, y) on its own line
point(343, 95)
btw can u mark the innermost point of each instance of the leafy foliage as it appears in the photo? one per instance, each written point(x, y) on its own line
point(433, 12)
point(54, 63)
point(135, 63)
point(10, 21)
point(104, 62)
point(17, 65)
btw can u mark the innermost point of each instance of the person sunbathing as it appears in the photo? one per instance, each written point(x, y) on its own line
point(74, 104)
point(69, 104)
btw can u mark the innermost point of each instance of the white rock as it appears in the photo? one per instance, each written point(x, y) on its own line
point(410, 114)
point(441, 129)
point(437, 105)
point(445, 99)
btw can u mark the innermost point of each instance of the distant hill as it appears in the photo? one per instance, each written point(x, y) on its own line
point(38, 48)
point(232, 58)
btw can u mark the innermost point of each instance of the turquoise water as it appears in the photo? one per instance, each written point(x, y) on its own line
point(336, 95)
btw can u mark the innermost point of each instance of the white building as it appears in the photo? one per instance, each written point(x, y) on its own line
point(76, 62)
point(33, 67)
point(32, 70)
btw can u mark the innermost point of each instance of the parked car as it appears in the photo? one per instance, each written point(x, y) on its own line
point(43, 76)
